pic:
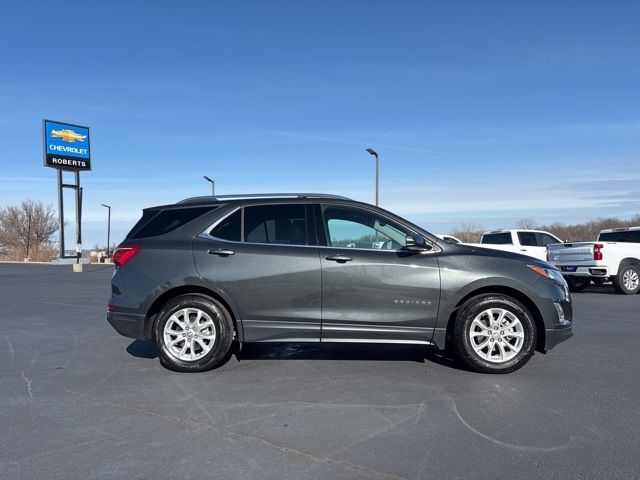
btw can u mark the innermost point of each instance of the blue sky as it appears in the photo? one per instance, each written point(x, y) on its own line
point(481, 111)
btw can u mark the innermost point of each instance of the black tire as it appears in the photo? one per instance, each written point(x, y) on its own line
point(577, 284)
point(631, 269)
point(223, 329)
point(462, 339)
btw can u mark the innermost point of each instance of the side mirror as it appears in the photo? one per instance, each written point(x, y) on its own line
point(416, 243)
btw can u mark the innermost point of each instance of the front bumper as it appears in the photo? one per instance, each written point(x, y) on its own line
point(554, 336)
point(129, 324)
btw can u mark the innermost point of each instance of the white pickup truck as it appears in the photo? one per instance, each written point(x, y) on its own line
point(526, 242)
point(615, 256)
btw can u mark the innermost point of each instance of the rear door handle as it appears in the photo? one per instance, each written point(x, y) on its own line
point(223, 252)
point(338, 258)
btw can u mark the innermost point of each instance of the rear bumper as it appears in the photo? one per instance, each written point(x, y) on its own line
point(591, 271)
point(554, 336)
point(128, 324)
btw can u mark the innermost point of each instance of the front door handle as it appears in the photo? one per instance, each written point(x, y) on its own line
point(338, 258)
point(222, 252)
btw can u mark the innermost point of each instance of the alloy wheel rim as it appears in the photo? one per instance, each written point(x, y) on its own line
point(630, 279)
point(189, 334)
point(496, 335)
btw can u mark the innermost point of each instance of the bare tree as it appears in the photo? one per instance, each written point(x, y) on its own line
point(588, 232)
point(469, 232)
point(580, 232)
point(26, 228)
point(527, 224)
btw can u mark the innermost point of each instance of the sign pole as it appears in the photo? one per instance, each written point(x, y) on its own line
point(78, 218)
point(79, 206)
point(61, 213)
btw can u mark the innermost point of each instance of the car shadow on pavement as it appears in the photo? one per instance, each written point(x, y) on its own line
point(142, 349)
point(346, 351)
point(317, 351)
point(326, 351)
point(606, 289)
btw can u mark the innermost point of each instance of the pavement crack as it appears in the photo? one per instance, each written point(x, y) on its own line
point(512, 446)
point(314, 457)
point(11, 351)
point(29, 390)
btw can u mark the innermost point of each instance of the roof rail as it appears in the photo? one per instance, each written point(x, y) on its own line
point(219, 198)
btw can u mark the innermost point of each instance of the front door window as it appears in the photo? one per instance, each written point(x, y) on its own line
point(352, 228)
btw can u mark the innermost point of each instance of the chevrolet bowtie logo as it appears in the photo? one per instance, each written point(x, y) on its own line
point(68, 135)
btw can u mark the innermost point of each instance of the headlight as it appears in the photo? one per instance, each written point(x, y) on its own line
point(551, 273)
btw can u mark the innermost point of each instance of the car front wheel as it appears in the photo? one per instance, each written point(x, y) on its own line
point(494, 334)
point(193, 333)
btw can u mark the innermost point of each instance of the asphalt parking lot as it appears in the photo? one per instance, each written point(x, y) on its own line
point(79, 401)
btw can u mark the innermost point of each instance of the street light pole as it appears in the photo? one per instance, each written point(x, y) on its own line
point(370, 151)
point(108, 229)
point(213, 185)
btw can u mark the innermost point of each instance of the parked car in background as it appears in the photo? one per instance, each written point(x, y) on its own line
point(200, 274)
point(448, 238)
point(525, 242)
point(614, 256)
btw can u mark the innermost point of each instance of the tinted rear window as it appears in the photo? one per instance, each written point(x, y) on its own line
point(528, 239)
point(228, 228)
point(279, 224)
point(497, 238)
point(146, 216)
point(165, 221)
point(627, 236)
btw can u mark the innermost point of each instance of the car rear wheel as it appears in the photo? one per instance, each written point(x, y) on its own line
point(627, 281)
point(193, 333)
point(577, 284)
point(494, 334)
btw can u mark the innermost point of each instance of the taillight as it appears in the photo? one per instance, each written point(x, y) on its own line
point(122, 255)
point(597, 251)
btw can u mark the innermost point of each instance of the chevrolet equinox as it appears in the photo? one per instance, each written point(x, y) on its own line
point(200, 274)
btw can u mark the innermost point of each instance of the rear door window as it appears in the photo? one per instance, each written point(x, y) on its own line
point(276, 224)
point(229, 228)
point(527, 239)
point(166, 221)
point(497, 238)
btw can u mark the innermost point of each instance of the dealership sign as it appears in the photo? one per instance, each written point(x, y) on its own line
point(66, 146)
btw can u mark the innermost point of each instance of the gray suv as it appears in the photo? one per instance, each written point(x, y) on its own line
point(200, 274)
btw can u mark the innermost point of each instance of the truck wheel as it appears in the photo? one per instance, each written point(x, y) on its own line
point(627, 281)
point(494, 334)
point(192, 333)
point(577, 284)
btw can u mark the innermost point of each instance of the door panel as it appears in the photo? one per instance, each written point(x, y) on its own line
point(276, 288)
point(379, 295)
point(382, 293)
point(269, 264)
